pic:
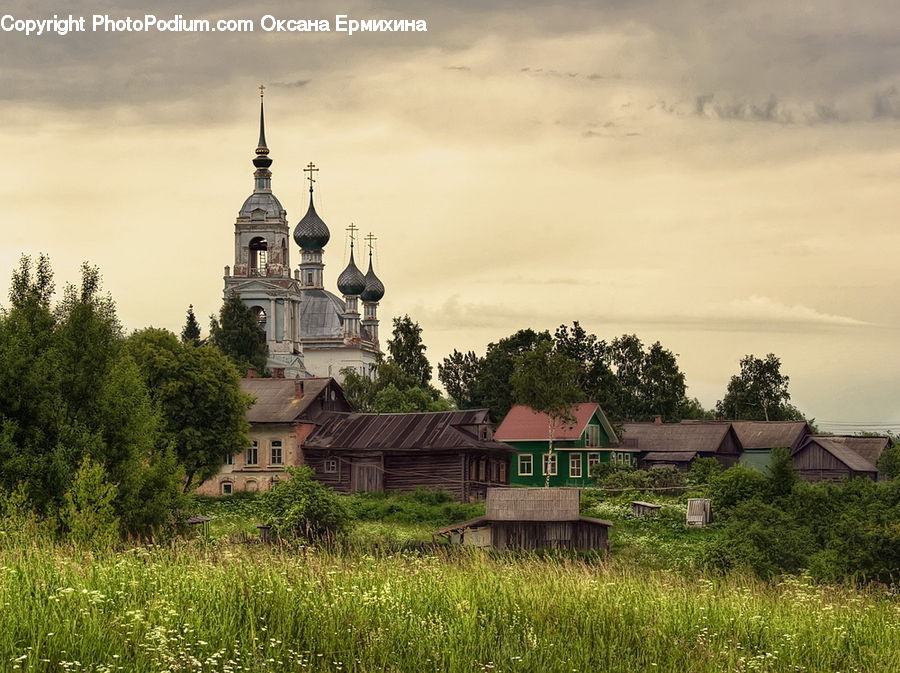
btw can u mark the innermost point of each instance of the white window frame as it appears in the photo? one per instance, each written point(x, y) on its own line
point(252, 450)
point(226, 484)
point(592, 435)
point(551, 461)
point(528, 458)
point(575, 465)
point(593, 459)
point(273, 445)
point(330, 466)
point(229, 459)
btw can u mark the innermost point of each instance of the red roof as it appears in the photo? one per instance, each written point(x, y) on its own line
point(524, 424)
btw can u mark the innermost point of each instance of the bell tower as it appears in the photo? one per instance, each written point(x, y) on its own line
point(261, 275)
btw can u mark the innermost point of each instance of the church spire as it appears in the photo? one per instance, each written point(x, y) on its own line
point(262, 176)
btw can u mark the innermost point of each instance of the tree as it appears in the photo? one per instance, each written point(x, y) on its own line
point(89, 514)
point(407, 351)
point(546, 380)
point(494, 389)
point(198, 391)
point(190, 333)
point(662, 385)
point(889, 461)
point(759, 392)
point(236, 332)
point(595, 376)
point(781, 472)
point(459, 374)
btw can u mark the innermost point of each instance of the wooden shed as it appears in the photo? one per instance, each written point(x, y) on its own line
point(698, 512)
point(831, 459)
point(641, 509)
point(531, 518)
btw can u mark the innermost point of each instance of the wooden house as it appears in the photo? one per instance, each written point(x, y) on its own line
point(283, 414)
point(758, 438)
point(453, 451)
point(679, 444)
point(577, 447)
point(834, 458)
point(531, 518)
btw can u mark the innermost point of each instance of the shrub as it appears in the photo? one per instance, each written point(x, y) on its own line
point(88, 515)
point(737, 485)
point(302, 507)
point(703, 471)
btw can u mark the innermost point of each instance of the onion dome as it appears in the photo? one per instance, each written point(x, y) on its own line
point(351, 282)
point(311, 233)
point(374, 289)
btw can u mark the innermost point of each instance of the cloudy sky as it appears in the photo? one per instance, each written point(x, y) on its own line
point(721, 179)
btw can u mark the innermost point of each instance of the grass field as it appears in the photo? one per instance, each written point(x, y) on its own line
point(228, 607)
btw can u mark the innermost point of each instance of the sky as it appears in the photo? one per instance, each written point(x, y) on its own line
point(719, 177)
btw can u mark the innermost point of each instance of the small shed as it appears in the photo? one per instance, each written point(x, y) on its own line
point(641, 509)
point(201, 522)
point(698, 512)
point(832, 459)
point(531, 518)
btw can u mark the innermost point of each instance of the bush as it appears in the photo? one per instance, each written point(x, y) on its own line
point(302, 507)
point(703, 471)
point(88, 515)
point(762, 538)
point(737, 485)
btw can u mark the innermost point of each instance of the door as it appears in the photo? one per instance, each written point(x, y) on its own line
point(366, 476)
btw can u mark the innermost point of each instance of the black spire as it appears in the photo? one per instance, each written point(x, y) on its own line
point(262, 159)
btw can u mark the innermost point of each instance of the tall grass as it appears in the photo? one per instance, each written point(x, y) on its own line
point(226, 607)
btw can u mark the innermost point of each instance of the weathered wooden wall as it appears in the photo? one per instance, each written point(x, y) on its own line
point(543, 534)
point(813, 463)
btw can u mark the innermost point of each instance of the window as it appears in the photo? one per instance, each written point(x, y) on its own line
point(331, 465)
point(593, 459)
point(252, 454)
point(309, 279)
point(503, 472)
point(549, 464)
point(276, 453)
point(575, 465)
point(592, 435)
point(229, 459)
point(526, 468)
point(227, 487)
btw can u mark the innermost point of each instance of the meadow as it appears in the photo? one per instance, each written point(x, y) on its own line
point(221, 604)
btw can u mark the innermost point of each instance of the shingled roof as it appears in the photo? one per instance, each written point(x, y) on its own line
point(278, 401)
point(842, 452)
point(680, 437)
point(523, 424)
point(403, 432)
point(868, 448)
point(766, 434)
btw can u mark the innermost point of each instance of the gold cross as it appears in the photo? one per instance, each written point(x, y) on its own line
point(262, 89)
point(311, 168)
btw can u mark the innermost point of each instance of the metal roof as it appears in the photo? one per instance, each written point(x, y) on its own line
point(417, 432)
point(706, 437)
point(277, 400)
point(320, 315)
point(523, 424)
point(262, 201)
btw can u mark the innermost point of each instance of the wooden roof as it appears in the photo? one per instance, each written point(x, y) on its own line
point(870, 448)
point(841, 451)
point(484, 521)
point(771, 434)
point(523, 424)
point(419, 431)
point(532, 504)
point(679, 437)
point(671, 456)
point(281, 400)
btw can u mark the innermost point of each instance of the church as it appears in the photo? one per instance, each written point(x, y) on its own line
point(310, 331)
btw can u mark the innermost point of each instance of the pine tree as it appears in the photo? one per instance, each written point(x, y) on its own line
point(190, 333)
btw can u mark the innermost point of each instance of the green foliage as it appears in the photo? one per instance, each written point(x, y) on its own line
point(302, 507)
point(703, 471)
point(758, 393)
point(782, 476)
point(460, 373)
point(763, 538)
point(236, 332)
point(735, 486)
point(89, 515)
point(67, 391)
point(637, 480)
point(422, 506)
point(407, 351)
point(190, 333)
point(889, 462)
point(198, 391)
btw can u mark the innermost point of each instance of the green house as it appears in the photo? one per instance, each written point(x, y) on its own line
point(576, 447)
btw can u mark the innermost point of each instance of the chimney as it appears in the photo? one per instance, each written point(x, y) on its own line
point(657, 420)
point(251, 373)
point(298, 389)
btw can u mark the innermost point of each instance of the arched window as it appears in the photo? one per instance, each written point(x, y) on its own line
point(259, 251)
point(260, 313)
